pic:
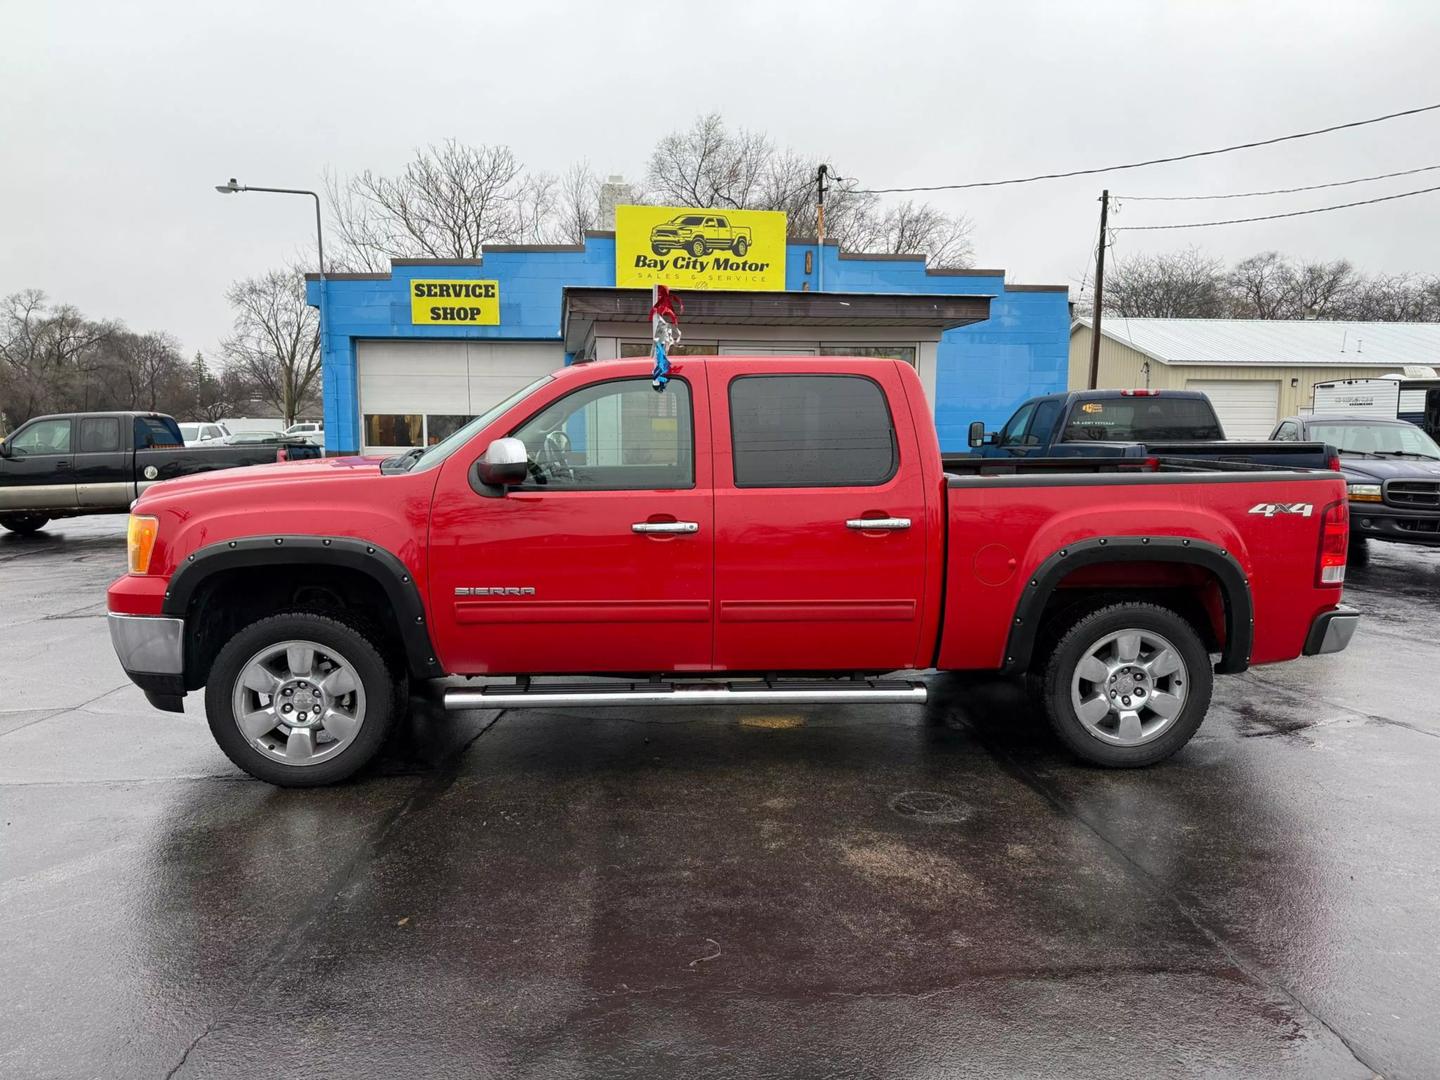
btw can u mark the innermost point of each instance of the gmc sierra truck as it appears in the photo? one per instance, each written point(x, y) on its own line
point(700, 234)
point(73, 464)
point(764, 530)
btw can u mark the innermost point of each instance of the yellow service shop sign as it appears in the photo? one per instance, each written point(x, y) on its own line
point(455, 303)
point(699, 249)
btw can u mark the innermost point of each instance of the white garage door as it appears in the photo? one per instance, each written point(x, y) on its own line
point(414, 393)
point(1248, 408)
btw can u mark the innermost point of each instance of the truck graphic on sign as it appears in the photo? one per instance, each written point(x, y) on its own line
point(699, 234)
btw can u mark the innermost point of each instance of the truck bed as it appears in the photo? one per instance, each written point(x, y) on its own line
point(1244, 533)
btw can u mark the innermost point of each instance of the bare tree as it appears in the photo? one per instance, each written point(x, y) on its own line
point(579, 205)
point(447, 203)
point(1178, 285)
point(276, 343)
point(709, 164)
point(1264, 287)
point(40, 349)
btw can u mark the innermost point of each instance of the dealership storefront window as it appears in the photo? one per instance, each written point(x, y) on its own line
point(403, 430)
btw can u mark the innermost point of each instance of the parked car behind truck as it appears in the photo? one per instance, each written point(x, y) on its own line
point(766, 530)
point(1391, 470)
point(73, 464)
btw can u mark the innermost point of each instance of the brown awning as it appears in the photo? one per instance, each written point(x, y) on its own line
point(583, 306)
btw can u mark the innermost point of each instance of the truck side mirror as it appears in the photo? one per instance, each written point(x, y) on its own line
point(977, 433)
point(5, 451)
point(504, 464)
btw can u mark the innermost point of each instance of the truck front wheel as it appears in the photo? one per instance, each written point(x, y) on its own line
point(697, 247)
point(24, 524)
point(300, 700)
point(1127, 684)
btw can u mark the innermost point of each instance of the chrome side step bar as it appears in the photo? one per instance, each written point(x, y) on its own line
point(675, 695)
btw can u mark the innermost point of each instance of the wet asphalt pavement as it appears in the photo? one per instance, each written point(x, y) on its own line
point(841, 892)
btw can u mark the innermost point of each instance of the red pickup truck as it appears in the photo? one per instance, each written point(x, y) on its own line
point(764, 530)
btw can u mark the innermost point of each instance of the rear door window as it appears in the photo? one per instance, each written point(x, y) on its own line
point(1142, 419)
point(811, 431)
point(99, 434)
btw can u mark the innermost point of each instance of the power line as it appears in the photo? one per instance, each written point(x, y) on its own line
point(1152, 161)
point(1277, 191)
point(1272, 217)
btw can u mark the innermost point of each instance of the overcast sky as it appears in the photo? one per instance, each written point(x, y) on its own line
point(117, 119)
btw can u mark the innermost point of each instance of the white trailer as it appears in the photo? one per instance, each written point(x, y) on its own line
point(1358, 397)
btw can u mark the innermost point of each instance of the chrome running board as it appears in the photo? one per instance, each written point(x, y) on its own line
point(674, 695)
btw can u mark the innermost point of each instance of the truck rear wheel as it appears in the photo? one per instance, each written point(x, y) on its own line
point(740, 246)
point(24, 524)
point(300, 700)
point(1127, 684)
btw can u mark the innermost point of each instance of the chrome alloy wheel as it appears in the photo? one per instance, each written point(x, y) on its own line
point(298, 702)
point(1129, 687)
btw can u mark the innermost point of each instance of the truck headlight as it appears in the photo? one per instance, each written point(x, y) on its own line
point(1364, 492)
point(140, 542)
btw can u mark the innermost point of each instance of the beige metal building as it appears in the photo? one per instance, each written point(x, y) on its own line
point(1254, 370)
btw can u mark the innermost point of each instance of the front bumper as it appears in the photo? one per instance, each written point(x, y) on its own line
point(151, 649)
point(1331, 631)
point(1377, 521)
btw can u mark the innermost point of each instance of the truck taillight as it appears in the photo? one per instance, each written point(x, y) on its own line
point(1333, 462)
point(1139, 393)
point(1334, 545)
point(281, 455)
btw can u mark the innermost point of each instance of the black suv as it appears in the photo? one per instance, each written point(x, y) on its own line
point(1392, 469)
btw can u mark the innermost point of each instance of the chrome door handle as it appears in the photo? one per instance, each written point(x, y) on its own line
point(665, 527)
point(888, 524)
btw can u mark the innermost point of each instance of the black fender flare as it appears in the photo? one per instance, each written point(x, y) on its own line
point(1234, 589)
point(375, 562)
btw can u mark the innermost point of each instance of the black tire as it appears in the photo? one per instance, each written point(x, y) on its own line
point(658, 250)
point(1359, 553)
point(1084, 630)
point(740, 247)
point(383, 697)
point(23, 524)
point(697, 247)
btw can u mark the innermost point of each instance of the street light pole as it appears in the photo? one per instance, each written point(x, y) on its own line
point(233, 187)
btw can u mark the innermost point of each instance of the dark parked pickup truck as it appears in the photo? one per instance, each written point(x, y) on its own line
point(1391, 470)
point(98, 463)
point(768, 531)
point(1132, 423)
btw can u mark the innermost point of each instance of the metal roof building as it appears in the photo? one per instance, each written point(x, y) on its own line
point(1255, 370)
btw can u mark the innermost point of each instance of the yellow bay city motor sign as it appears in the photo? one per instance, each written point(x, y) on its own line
point(455, 303)
point(699, 249)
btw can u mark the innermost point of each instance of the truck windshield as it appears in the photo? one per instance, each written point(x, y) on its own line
point(434, 455)
point(1142, 419)
point(1401, 439)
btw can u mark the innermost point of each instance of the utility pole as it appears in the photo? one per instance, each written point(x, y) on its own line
point(1099, 293)
point(820, 175)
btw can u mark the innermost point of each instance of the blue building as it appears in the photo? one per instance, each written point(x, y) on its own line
point(410, 354)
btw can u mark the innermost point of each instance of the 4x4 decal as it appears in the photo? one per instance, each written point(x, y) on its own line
point(1271, 509)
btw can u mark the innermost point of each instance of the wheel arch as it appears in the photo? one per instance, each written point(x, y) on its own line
point(337, 558)
point(1046, 584)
